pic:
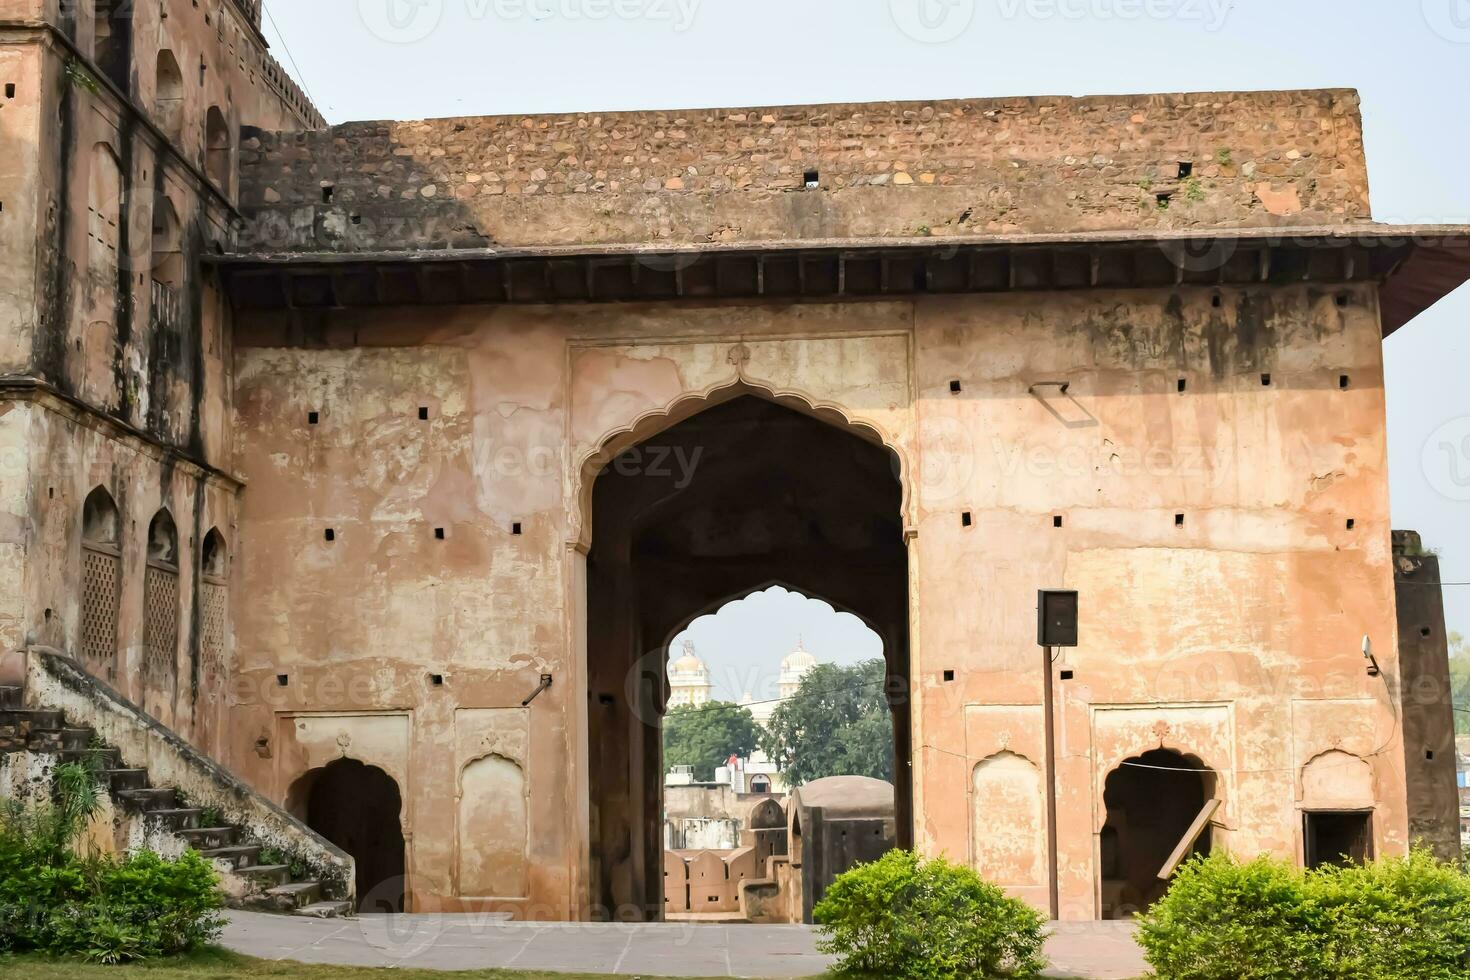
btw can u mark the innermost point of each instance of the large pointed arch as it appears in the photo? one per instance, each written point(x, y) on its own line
point(649, 424)
point(683, 510)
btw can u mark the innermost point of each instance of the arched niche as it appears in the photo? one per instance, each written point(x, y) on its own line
point(161, 602)
point(100, 583)
point(493, 829)
point(1008, 824)
point(168, 96)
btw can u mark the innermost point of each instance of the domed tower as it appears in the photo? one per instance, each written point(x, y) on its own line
point(794, 666)
point(689, 682)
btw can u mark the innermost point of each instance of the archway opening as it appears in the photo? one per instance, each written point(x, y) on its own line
point(112, 40)
point(168, 245)
point(729, 500)
point(168, 96)
point(359, 808)
point(1153, 802)
point(218, 150)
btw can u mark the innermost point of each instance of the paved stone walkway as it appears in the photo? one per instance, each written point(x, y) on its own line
point(1095, 951)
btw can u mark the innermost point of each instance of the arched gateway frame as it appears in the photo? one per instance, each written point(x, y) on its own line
point(728, 494)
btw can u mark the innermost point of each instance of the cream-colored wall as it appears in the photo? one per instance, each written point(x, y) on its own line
point(1234, 638)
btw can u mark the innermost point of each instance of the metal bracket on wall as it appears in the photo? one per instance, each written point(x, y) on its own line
point(546, 680)
point(1063, 386)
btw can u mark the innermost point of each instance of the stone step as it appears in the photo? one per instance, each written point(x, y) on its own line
point(76, 739)
point(104, 758)
point(179, 819)
point(125, 779)
point(240, 856)
point(47, 741)
point(325, 910)
point(33, 721)
point(206, 838)
point(11, 697)
point(151, 799)
point(294, 895)
point(268, 876)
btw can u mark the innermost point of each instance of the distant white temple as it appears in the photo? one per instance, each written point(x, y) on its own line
point(689, 682)
point(794, 666)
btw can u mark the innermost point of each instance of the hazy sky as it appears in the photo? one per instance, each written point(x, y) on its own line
point(1410, 59)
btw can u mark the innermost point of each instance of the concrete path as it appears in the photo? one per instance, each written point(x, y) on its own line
point(1095, 951)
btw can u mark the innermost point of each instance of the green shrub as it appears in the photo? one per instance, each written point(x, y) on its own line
point(1401, 918)
point(1227, 921)
point(104, 908)
point(905, 918)
point(1395, 919)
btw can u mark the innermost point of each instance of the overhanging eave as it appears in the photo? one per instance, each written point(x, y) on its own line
point(1416, 266)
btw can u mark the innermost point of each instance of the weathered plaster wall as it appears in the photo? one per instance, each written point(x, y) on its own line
point(1429, 706)
point(21, 196)
point(1224, 592)
point(15, 433)
point(114, 346)
point(69, 453)
point(884, 169)
point(1224, 595)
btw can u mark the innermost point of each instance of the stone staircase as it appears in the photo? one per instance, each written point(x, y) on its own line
point(257, 884)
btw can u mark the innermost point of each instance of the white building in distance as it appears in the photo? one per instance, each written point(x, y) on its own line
point(689, 683)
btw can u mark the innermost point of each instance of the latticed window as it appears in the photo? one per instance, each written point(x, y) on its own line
point(212, 598)
point(161, 601)
point(101, 582)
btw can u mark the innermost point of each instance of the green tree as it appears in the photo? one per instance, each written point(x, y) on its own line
point(838, 724)
point(705, 736)
point(1460, 681)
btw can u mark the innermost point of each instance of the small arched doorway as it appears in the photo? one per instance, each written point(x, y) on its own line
point(1153, 801)
point(359, 808)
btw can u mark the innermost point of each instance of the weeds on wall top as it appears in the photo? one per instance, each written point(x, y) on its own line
point(77, 74)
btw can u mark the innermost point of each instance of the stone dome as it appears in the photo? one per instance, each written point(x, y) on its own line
point(847, 796)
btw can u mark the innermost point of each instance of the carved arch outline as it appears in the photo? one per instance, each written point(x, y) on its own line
point(612, 443)
point(1141, 747)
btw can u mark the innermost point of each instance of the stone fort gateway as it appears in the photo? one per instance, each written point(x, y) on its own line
point(354, 480)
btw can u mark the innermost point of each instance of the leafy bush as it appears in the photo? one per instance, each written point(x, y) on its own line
point(1226, 921)
point(105, 908)
point(905, 918)
point(1396, 919)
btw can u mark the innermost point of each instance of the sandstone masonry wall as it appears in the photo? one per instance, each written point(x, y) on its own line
point(884, 169)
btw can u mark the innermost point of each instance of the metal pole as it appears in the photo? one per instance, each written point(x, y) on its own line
point(1047, 698)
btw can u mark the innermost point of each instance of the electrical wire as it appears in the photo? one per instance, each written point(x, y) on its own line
point(300, 76)
point(720, 705)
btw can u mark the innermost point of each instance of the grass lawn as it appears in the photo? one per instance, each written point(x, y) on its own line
point(219, 964)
